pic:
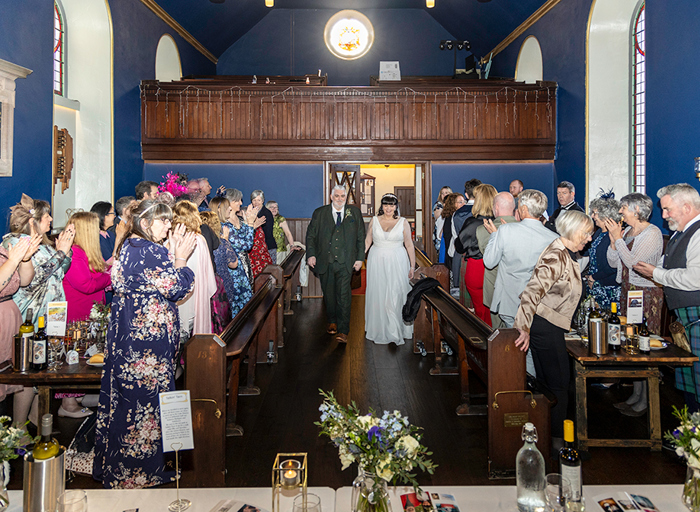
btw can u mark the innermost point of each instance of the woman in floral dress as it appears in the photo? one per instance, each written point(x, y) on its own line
point(224, 255)
point(51, 261)
point(241, 238)
point(142, 342)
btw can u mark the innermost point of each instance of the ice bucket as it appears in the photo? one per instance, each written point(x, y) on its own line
point(44, 481)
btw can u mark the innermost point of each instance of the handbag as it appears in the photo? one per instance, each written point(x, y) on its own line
point(356, 280)
point(81, 452)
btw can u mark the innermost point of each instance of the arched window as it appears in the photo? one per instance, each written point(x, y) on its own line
point(59, 55)
point(639, 101)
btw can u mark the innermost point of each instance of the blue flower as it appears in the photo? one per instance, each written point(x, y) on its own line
point(374, 434)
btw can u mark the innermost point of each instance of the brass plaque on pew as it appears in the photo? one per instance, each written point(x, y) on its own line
point(515, 419)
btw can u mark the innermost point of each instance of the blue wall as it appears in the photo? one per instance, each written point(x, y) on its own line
point(290, 42)
point(136, 34)
point(298, 188)
point(535, 175)
point(673, 101)
point(26, 39)
point(562, 37)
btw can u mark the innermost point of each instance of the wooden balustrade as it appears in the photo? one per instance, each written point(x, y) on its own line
point(470, 120)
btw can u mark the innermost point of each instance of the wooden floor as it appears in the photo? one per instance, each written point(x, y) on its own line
point(281, 418)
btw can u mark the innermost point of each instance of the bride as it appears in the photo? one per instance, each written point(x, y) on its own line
point(390, 265)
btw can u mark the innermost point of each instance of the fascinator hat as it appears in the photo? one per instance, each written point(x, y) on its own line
point(27, 210)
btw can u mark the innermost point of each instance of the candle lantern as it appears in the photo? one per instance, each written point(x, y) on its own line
point(289, 473)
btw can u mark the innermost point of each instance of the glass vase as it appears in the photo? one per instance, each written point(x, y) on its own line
point(4, 479)
point(691, 489)
point(370, 493)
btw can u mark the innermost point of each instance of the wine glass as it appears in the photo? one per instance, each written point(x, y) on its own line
point(72, 501)
point(55, 344)
point(557, 492)
point(312, 503)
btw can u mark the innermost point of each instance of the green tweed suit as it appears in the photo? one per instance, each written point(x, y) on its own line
point(336, 249)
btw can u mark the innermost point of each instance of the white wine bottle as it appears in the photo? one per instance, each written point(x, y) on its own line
point(570, 465)
point(47, 447)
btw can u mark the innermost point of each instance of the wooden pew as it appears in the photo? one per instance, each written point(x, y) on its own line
point(290, 267)
point(422, 327)
point(493, 358)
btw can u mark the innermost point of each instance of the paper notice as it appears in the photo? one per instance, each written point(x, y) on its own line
point(635, 306)
point(176, 421)
point(56, 313)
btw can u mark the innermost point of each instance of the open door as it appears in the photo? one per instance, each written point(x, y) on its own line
point(347, 175)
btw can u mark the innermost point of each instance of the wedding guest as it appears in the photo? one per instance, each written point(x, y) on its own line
point(220, 307)
point(437, 215)
point(241, 237)
point(142, 342)
point(643, 242)
point(468, 245)
point(16, 270)
point(106, 215)
point(448, 210)
point(257, 199)
point(566, 195)
point(87, 278)
point(280, 229)
point(547, 306)
point(227, 262)
point(195, 310)
point(600, 277)
point(146, 190)
point(51, 261)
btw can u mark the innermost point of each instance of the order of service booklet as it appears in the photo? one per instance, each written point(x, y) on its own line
point(429, 502)
point(622, 501)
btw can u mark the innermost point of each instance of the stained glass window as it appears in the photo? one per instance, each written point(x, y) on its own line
point(349, 34)
point(58, 51)
point(639, 93)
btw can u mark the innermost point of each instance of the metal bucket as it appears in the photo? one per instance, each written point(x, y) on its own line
point(597, 336)
point(23, 353)
point(44, 481)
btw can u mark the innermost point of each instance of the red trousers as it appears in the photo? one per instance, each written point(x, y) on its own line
point(474, 281)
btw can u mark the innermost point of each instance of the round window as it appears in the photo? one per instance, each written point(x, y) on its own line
point(349, 34)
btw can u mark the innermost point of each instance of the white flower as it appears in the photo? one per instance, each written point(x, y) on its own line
point(346, 458)
point(680, 452)
point(410, 444)
point(384, 469)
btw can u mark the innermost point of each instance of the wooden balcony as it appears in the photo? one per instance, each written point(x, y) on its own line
point(473, 120)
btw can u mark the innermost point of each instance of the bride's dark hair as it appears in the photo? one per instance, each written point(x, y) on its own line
point(389, 199)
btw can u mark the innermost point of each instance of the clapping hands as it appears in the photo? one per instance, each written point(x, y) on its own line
point(24, 249)
point(65, 240)
point(181, 243)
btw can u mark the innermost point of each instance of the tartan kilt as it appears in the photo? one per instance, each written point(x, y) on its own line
point(688, 377)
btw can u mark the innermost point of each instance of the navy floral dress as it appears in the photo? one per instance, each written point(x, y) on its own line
point(142, 343)
point(241, 241)
point(223, 255)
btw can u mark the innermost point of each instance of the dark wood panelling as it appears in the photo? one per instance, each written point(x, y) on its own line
point(473, 120)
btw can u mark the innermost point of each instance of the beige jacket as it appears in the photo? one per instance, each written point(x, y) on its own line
point(553, 291)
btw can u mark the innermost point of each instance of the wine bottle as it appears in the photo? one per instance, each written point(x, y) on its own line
point(644, 338)
point(570, 464)
point(614, 329)
point(39, 362)
point(26, 330)
point(47, 447)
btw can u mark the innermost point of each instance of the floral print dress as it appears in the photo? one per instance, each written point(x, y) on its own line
point(242, 241)
point(142, 343)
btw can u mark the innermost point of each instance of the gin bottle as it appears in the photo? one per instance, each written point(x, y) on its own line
point(529, 473)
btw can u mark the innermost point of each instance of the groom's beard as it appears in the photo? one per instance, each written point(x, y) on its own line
point(339, 206)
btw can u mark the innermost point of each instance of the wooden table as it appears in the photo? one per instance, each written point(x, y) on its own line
point(623, 365)
point(76, 376)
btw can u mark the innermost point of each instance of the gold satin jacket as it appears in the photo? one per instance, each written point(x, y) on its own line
point(553, 291)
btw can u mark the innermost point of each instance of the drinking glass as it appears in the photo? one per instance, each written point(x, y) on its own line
point(312, 504)
point(55, 344)
point(557, 492)
point(631, 339)
point(72, 501)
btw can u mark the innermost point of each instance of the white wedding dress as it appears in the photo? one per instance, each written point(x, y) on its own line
point(387, 286)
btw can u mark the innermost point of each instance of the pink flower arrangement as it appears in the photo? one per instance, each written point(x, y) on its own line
point(175, 183)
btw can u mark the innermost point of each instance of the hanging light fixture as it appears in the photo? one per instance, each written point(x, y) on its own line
point(269, 3)
point(430, 4)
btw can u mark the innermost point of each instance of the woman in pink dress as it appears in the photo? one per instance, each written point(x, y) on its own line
point(16, 270)
point(88, 277)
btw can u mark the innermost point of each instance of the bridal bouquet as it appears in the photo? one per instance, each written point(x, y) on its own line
point(387, 446)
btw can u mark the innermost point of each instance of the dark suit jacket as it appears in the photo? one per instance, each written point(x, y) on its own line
point(320, 233)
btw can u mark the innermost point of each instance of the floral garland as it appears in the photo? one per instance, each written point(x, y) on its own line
point(175, 183)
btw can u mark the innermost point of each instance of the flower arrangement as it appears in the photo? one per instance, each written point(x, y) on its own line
point(175, 183)
point(686, 439)
point(99, 316)
point(13, 440)
point(387, 446)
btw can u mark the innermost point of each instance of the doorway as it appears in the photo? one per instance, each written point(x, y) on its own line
point(366, 183)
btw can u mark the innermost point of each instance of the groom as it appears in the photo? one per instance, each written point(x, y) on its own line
point(335, 244)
